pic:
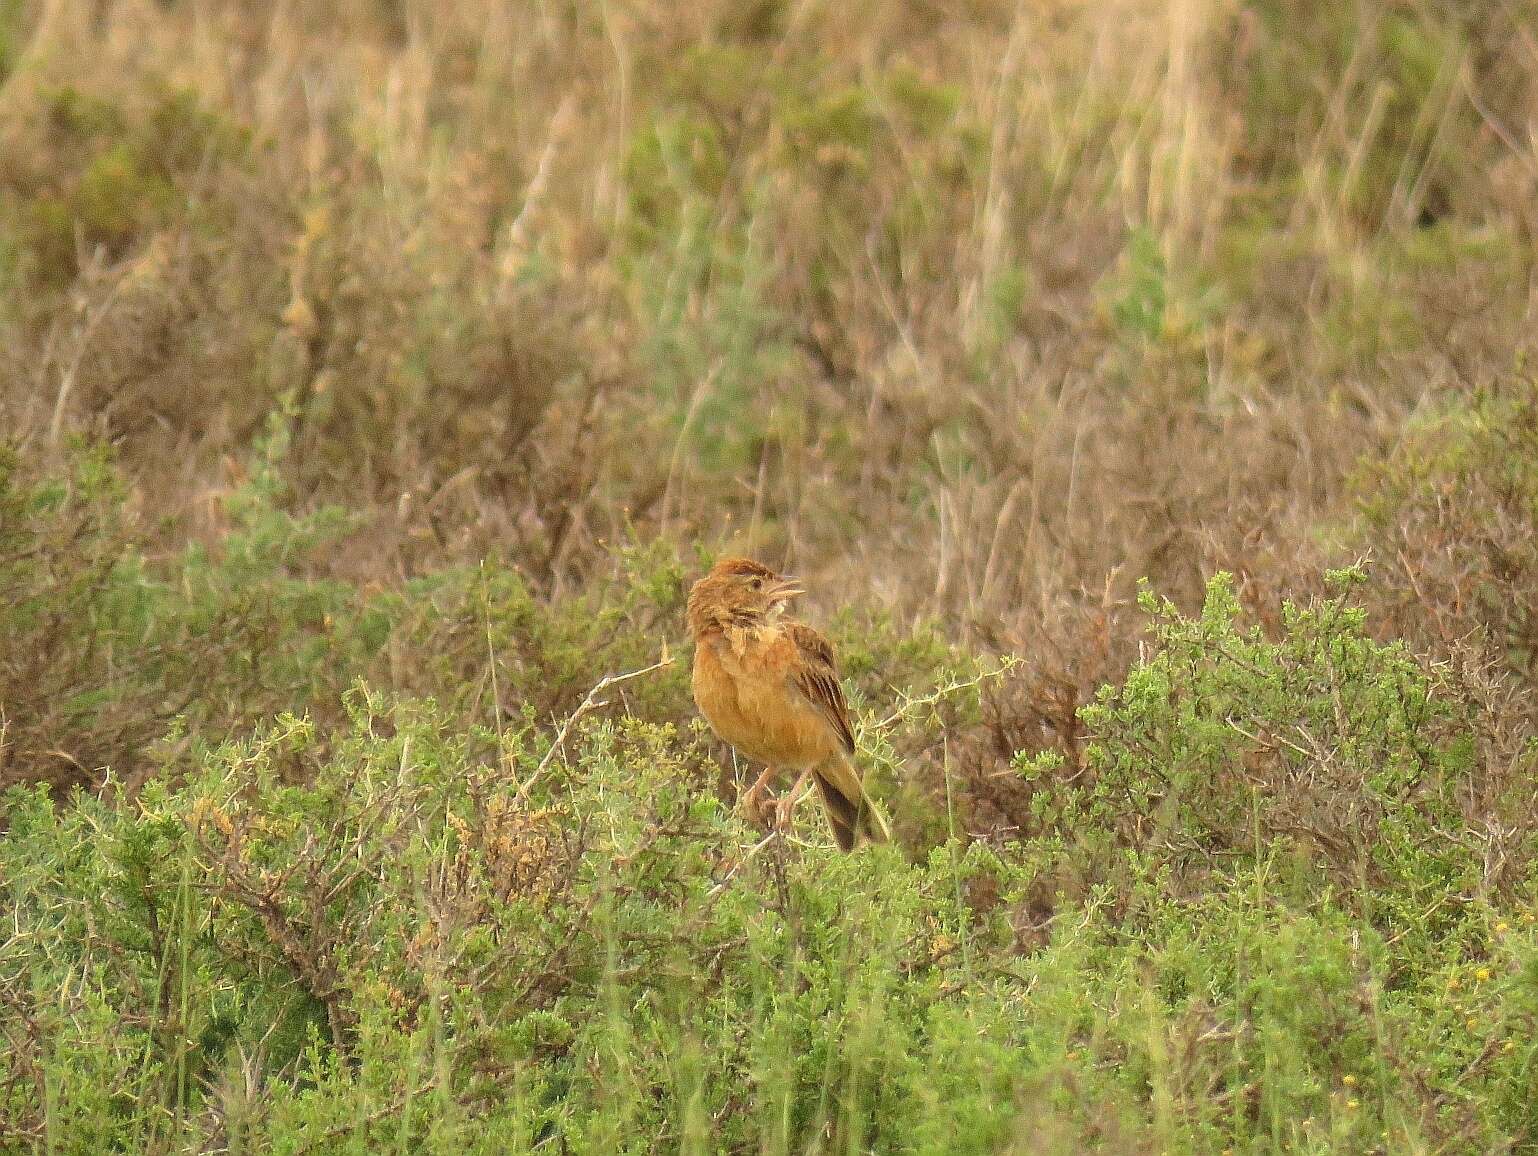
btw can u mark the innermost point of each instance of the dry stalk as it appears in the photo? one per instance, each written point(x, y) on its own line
point(593, 701)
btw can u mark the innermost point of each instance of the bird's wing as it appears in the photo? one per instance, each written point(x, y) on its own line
point(816, 677)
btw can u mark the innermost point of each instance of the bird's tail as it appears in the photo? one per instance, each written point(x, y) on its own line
point(851, 812)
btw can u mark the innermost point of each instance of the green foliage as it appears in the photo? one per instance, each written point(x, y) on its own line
point(462, 636)
point(106, 648)
point(1392, 75)
point(1139, 303)
point(1160, 313)
point(714, 373)
point(441, 925)
point(1341, 765)
point(443, 938)
point(673, 171)
point(13, 15)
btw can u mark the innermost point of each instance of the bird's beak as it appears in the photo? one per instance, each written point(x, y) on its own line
point(785, 588)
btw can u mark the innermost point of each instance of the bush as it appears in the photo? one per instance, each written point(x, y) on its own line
point(99, 178)
point(453, 940)
point(106, 649)
point(1346, 766)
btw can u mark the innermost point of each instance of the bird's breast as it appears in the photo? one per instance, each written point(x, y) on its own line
point(744, 693)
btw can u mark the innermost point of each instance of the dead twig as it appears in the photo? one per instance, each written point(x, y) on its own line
point(593, 701)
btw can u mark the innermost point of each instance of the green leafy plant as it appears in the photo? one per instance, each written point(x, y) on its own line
point(1344, 764)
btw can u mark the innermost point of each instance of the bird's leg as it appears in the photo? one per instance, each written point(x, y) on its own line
point(786, 807)
point(749, 799)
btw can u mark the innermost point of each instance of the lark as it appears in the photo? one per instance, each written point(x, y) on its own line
point(769, 686)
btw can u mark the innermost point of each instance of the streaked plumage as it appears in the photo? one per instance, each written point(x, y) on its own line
point(769, 686)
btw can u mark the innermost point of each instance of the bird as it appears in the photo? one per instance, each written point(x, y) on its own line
point(769, 686)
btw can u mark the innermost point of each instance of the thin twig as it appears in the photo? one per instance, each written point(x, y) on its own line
point(741, 863)
point(67, 378)
point(592, 702)
point(1006, 664)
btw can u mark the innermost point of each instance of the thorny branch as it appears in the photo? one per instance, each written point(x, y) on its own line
point(593, 701)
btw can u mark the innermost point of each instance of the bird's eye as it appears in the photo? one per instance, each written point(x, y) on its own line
point(756, 583)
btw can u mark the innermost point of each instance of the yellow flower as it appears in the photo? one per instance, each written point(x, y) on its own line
point(1509, 1046)
point(1482, 974)
point(1353, 1105)
point(1348, 1080)
point(1502, 927)
point(1453, 984)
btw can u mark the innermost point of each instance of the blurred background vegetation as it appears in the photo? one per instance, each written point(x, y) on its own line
point(1142, 389)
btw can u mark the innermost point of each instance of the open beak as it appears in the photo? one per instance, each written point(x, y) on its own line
point(784, 588)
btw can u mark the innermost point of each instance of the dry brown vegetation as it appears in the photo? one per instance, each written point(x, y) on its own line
point(985, 314)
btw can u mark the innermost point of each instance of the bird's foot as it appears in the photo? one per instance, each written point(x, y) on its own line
point(752, 803)
point(756, 807)
point(784, 812)
point(785, 806)
point(760, 809)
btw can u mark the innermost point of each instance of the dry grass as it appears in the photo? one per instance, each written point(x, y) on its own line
point(983, 312)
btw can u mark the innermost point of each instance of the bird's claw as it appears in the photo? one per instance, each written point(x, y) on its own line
point(784, 811)
point(755, 807)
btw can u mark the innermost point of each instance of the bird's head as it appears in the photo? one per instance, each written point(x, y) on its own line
point(739, 592)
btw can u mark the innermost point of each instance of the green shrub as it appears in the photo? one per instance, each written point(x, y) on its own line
point(106, 648)
point(1365, 92)
point(117, 177)
point(463, 636)
point(1345, 765)
point(442, 939)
